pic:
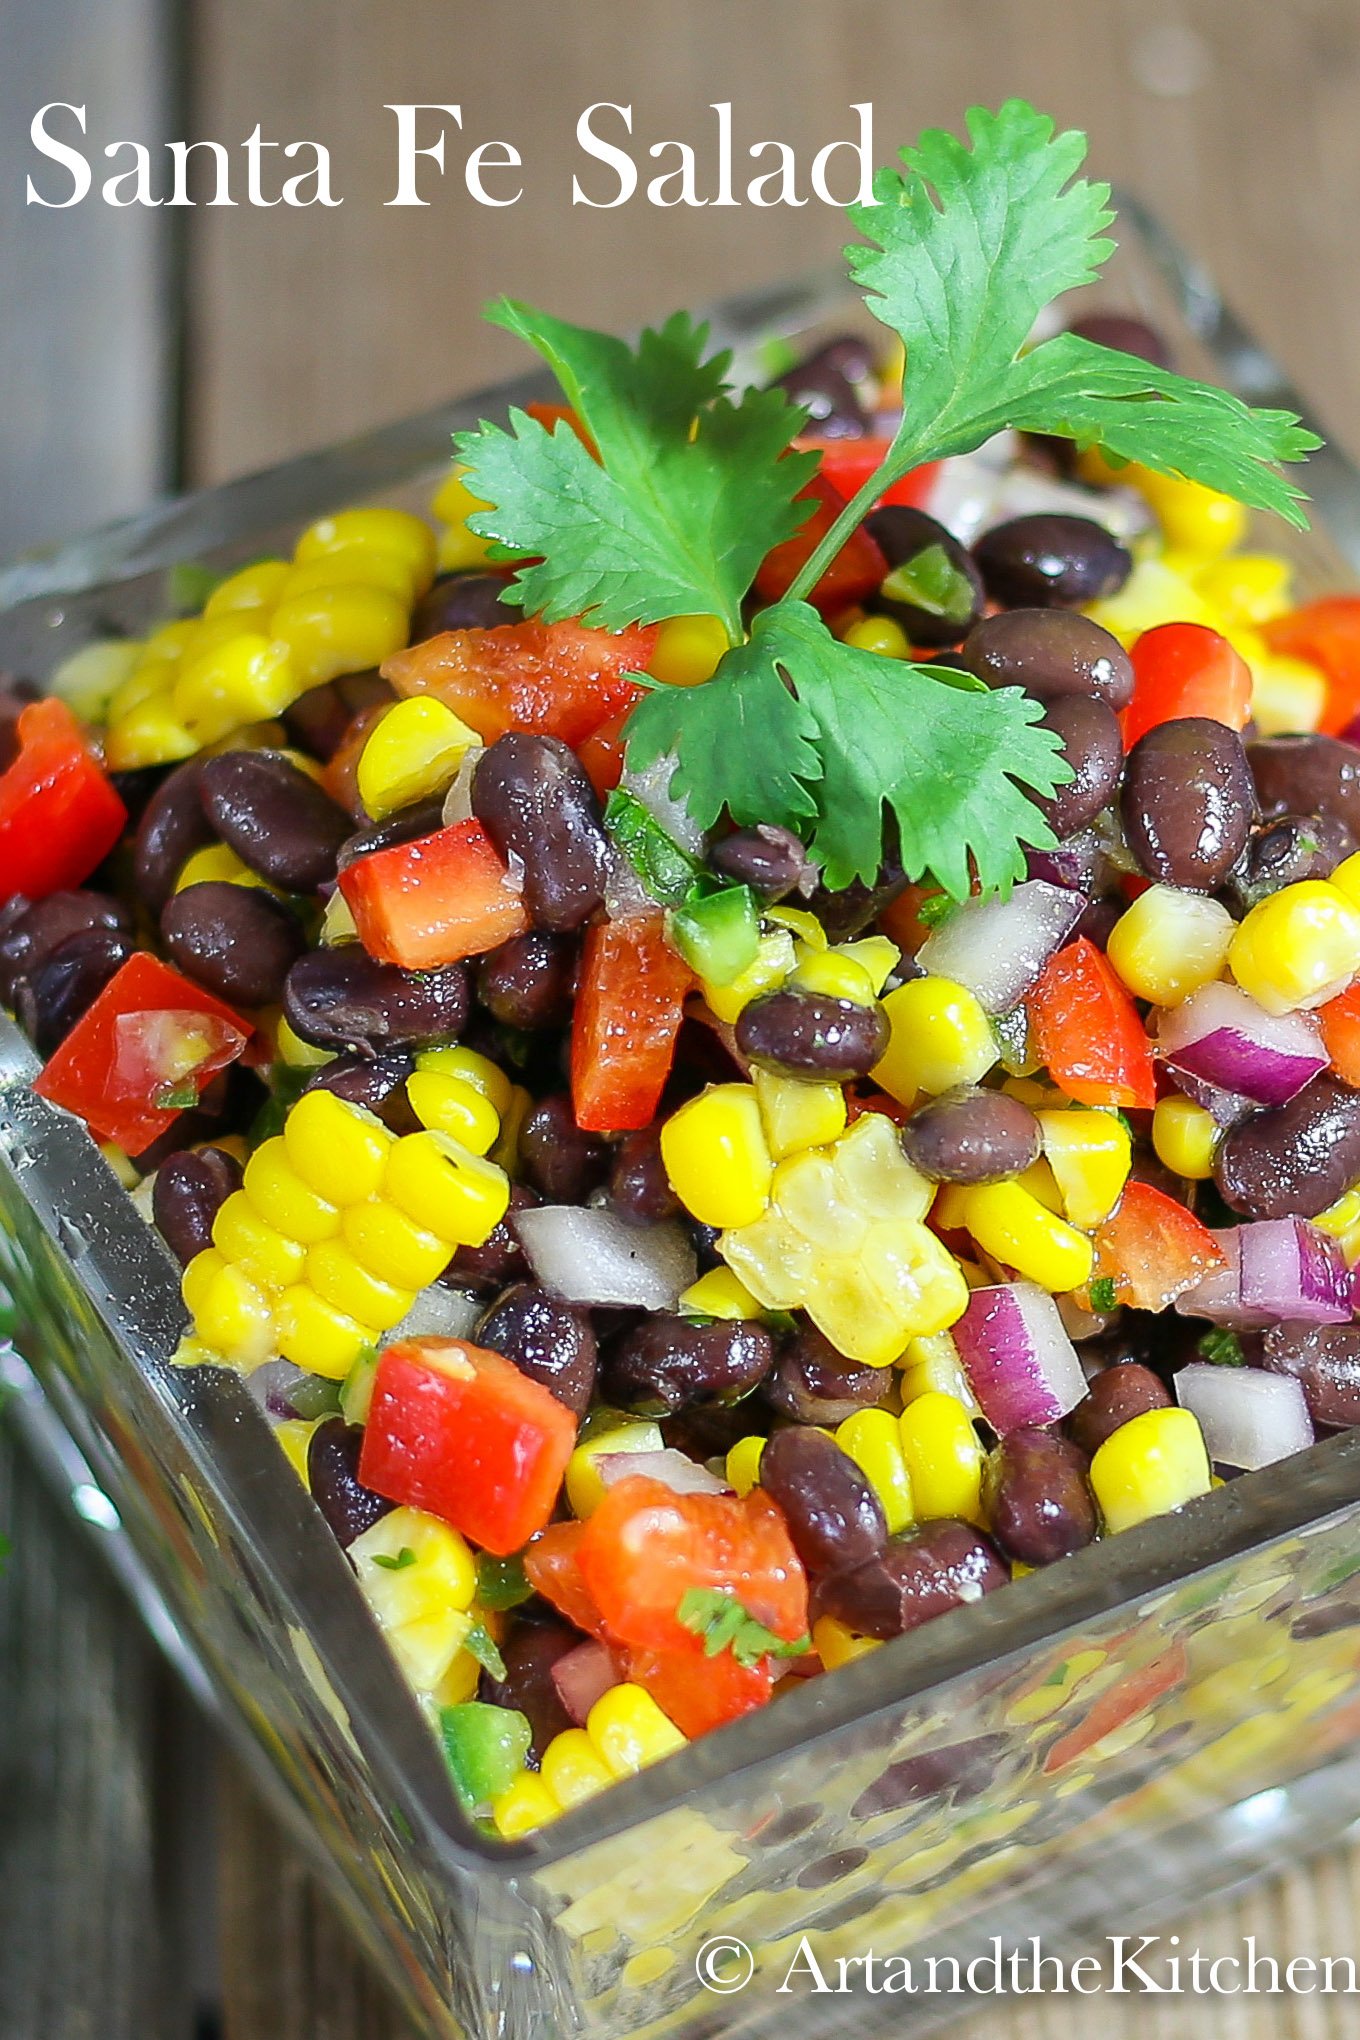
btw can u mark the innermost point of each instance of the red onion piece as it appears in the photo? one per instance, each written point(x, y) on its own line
point(997, 948)
point(581, 1676)
point(675, 1470)
point(1249, 1418)
point(1020, 1363)
point(1222, 1037)
point(1072, 863)
point(1278, 1268)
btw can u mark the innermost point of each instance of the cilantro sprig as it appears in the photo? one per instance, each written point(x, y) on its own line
point(673, 491)
point(724, 1623)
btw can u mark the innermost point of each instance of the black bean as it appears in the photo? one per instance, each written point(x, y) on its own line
point(500, 1258)
point(462, 602)
point(275, 817)
point(559, 1160)
point(237, 941)
point(67, 983)
point(31, 931)
point(835, 1519)
point(550, 1341)
point(969, 1135)
point(530, 981)
point(377, 1082)
point(348, 1506)
point(904, 534)
point(1053, 560)
point(828, 395)
point(1050, 652)
point(1312, 775)
point(1112, 1398)
point(1188, 803)
point(808, 1034)
point(768, 858)
point(1125, 334)
point(1295, 847)
point(188, 1192)
point(319, 720)
point(1325, 1360)
point(533, 798)
point(944, 1565)
point(1292, 1161)
point(172, 827)
point(342, 998)
point(848, 911)
point(1038, 1500)
point(667, 1363)
point(639, 1188)
point(1088, 731)
point(815, 1384)
point(529, 1652)
point(407, 825)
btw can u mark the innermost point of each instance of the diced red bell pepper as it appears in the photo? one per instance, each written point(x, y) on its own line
point(142, 1054)
point(857, 570)
point(1327, 635)
point(553, 1569)
point(340, 774)
point(698, 1692)
point(1340, 1023)
point(1088, 1033)
point(458, 1431)
point(560, 679)
point(435, 900)
point(629, 1006)
point(602, 753)
point(59, 812)
point(1185, 669)
point(848, 463)
point(646, 1547)
point(1153, 1249)
point(1120, 1703)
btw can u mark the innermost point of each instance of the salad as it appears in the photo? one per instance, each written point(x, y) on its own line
point(757, 1030)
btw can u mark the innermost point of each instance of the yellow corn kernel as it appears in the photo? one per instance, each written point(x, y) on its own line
point(216, 862)
point(1196, 519)
point(879, 956)
point(253, 587)
point(358, 566)
point(265, 1254)
point(1249, 588)
point(1346, 877)
point(120, 1163)
point(296, 1053)
point(452, 1105)
point(314, 1334)
point(1090, 1155)
point(293, 1436)
point(196, 1283)
point(419, 1578)
point(1012, 1226)
point(836, 1645)
point(505, 1153)
point(1168, 944)
point(940, 1037)
point(88, 680)
point(247, 678)
point(572, 1768)
point(933, 1363)
point(1184, 1137)
point(774, 960)
point(715, 1156)
point(834, 975)
point(412, 754)
point(342, 1281)
point(1299, 947)
point(874, 1441)
point(688, 649)
point(338, 1149)
point(796, 1115)
point(527, 1804)
point(742, 1466)
point(629, 1730)
point(477, 1070)
point(873, 1174)
point(1287, 695)
point(386, 1242)
point(1154, 593)
point(337, 630)
point(385, 530)
point(943, 1457)
point(585, 1489)
point(719, 1294)
point(1041, 1182)
point(447, 1189)
point(881, 634)
point(146, 681)
point(1342, 1220)
point(149, 734)
point(233, 1316)
point(805, 1191)
point(800, 923)
point(1152, 1464)
point(279, 1194)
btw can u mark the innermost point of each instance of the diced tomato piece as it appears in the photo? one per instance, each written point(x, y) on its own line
point(553, 1569)
point(646, 1547)
point(340, 774)
point(629, 1006)
point(142, 1053)
point(1120, 1703)
point(59, 812)
point(435, 900)
point(1340, 1022)
point(698, 1692)
point(1153, 1249)
point(1088, 1033)
point(560, 679)
point(857, 570)
point(1185, 669)
point(848, 463)
point(602, 753)
point(1327, 635)
point(458, 1431)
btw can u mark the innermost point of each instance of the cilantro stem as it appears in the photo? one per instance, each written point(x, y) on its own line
point(898, 462)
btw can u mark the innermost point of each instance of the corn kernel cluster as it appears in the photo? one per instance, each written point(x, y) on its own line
point(419, 1578)
point(624, 1732)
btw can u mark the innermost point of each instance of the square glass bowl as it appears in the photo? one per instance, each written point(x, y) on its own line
point(1149, 1722)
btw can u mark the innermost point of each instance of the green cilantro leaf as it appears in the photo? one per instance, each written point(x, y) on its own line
point(666, 869)
point(403, 1558)
point(1104, 1294)
point(181, 1097)
point(800, 729)
point(689, 493)
point(935, 909)
point(724, 1624)
point(481, 1644)
point(1223, 1347)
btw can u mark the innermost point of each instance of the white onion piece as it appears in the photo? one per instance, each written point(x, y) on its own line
point(1020, 1363)
point(1249, 1418)
point(964, 489)
point(651, 787)
point(438, 1313)
point(675, 1470)
point(1221, 1037)
point(270, 1384)
point(581, 1676)
point(1217, 1296)
point(625, 896)
point(1025, 492)
point(458, 799)
point(592, 1257)
point(997, 948)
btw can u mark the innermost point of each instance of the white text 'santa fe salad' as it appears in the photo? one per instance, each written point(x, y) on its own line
point(763, 1033)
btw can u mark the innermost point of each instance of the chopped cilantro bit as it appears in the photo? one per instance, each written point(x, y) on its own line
point(403, 1558)
point(481, 1644)
point(1104, 1294)
point(668, 872)
point(1223, 1347)
point(724, 1624)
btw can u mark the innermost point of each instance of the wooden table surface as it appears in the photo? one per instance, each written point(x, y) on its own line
point(142, 1905)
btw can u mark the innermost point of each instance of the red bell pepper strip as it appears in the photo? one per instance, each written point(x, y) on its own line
point(1327, 635)
point(1340, 1023)
point(1118, 1704)
point(434, 900)
point(858, 569)
point(1153, 1249)
point(1185, 669)
point(59, 812)
point(458, 1431)
point(1088, 1033)
point(698, 1692)
point(142, 1054)
point(602, 753)
point(848, 464)
point(561, 679)
point(628, 1012)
